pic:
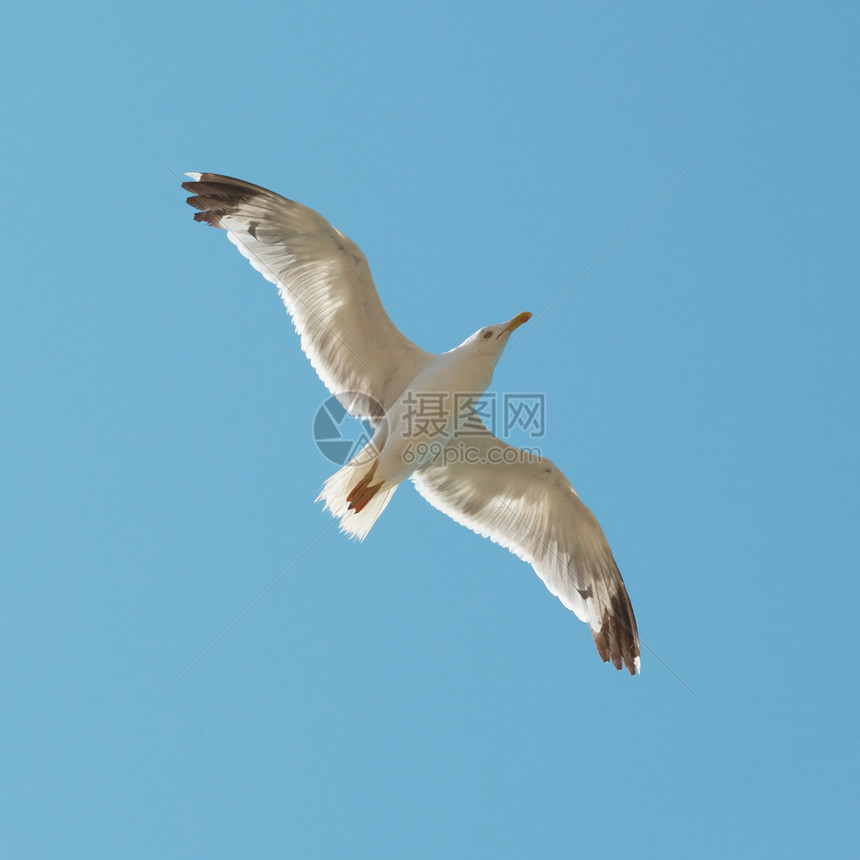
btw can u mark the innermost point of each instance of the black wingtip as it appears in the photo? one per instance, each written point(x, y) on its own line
point(617, 641)
point(218, 196)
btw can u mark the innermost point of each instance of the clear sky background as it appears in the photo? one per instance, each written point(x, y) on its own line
point(422, 695)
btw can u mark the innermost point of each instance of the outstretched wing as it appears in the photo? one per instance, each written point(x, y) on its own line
point(325, 282)
point(526, 504)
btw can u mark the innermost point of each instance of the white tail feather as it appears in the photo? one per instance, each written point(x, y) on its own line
point(337, 488)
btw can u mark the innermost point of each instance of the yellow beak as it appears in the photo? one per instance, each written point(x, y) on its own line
point(515, 323)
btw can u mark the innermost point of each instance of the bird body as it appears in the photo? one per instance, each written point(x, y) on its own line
point(401, 445)
point(520, 500)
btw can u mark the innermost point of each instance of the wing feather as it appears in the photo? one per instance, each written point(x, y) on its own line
point(525, 503)
point(324, 281)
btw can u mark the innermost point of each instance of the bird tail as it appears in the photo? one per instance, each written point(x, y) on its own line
point(354, 497)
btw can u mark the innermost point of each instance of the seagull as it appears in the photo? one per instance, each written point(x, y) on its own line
point(518, 499)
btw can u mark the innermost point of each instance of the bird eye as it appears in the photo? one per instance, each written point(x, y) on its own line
point(488, 333)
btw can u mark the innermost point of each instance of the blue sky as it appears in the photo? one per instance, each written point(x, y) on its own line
point(422, 694)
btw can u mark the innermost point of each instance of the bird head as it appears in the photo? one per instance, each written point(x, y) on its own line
point(493, 338)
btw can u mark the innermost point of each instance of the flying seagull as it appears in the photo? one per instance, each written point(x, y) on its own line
point(520, 501)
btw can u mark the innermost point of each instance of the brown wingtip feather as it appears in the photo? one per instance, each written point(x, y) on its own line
point(217, 196)
point(618, 639)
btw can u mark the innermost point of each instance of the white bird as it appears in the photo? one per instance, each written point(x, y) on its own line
point(520, 501)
